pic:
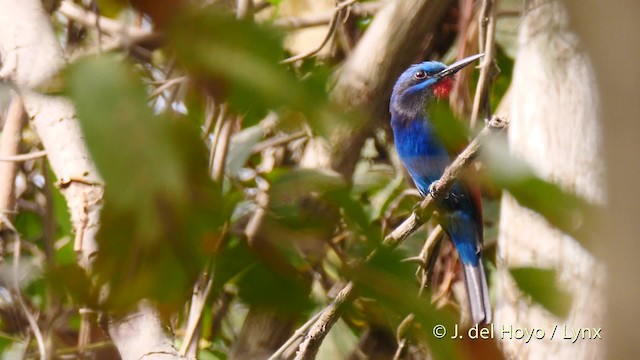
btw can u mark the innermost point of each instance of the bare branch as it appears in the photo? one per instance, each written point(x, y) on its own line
point(9, 146)
point(121, 36)
point(17, 293)
point(112, 27)
point(358, 9)
point(199, 298)
point(312, 341)
point(339, 14)
point(24, 157)
point(296, 335)
point(487, 44)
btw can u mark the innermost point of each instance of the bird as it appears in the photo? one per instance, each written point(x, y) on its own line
point(425, 157)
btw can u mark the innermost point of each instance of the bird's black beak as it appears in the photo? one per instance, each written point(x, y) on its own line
point(457, 66)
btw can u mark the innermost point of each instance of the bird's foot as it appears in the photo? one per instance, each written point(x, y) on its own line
point(431, 191)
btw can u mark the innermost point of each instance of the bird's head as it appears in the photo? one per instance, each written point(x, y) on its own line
point(422, 82)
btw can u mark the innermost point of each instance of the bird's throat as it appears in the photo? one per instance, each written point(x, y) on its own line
point(442, 88)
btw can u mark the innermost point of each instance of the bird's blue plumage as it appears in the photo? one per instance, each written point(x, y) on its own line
point(425, 158)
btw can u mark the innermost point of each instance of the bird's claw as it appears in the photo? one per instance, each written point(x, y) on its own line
point(431, 191)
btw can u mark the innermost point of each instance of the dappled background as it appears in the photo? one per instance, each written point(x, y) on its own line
point(243, 186)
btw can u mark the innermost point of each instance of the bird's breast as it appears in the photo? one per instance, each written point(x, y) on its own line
point(421, 152)
point(416, 137)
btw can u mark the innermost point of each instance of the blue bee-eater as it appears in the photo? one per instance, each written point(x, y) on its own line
point(426, 157)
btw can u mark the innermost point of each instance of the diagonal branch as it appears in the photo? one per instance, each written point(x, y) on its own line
point(312, 341)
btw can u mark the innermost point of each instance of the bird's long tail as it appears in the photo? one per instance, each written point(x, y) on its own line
point(478, 292)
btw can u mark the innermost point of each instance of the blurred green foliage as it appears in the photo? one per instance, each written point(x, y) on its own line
point(239, 61)
point(160, 207)
point(562, 209)
point(542, 286)
point(164, 221)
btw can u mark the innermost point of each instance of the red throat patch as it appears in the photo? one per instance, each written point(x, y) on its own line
point(443, 87)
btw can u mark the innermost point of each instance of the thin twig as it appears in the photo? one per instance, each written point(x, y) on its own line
point(9, 146)
point(202, 289)
point(109, 26)
point(396, 202)
point(278, 141)
point(402, 329)
point(326, 319)
point(24, 157)
point(309, 347)
point(121, 36)
point(245, 9)
point(211, 113)
point(297, 22)
point(33, 323)
point(428, 255)
point(486, 34)
point(92, 346)
point(220, 144)
point(84, 335)
point(220, 309)
point(338, 16)
point(296, 335)
point(198, 301)
point(167, 85)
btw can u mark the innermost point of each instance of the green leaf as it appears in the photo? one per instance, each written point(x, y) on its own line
point(71, 280)
point(381, 199)
point(562, 209)
point(28, 224)
point(452, 132)
point(60, 209)
point(112, 8)
point(542, 286)
point(287, 186)
point(503, 80)
point(265, 287)
point(241, 147)
point(161, 212)
point(391, 284)
point(239, 61)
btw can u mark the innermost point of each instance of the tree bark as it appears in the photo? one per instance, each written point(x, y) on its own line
point(9, 146)
point(610, 34)
point(555, 128)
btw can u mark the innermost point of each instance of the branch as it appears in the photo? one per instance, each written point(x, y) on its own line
point(112, 27)
point(122, 36)
point(339, 15)
point(17, 295)
point(296, 22)
point(487, 28)
point(23, 157)
point(9, 146)
point(309, 347)
point(312, 341)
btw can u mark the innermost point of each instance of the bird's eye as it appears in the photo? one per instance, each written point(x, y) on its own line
point(420, 74)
